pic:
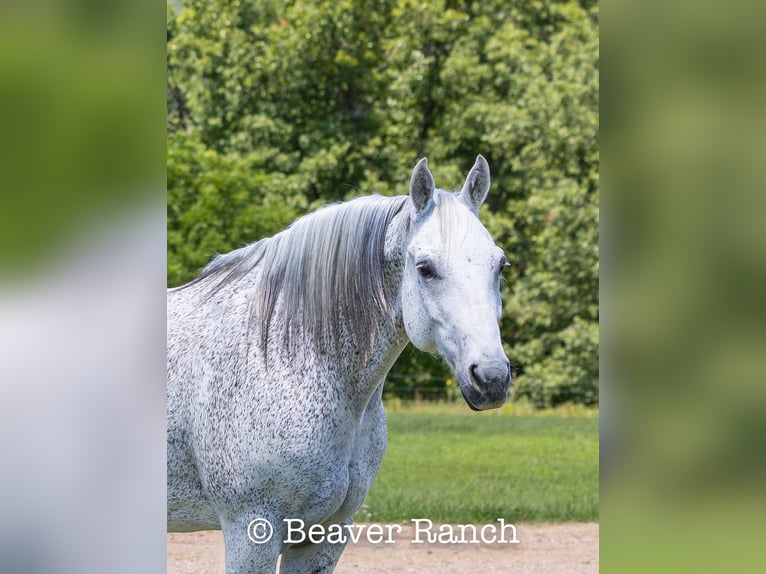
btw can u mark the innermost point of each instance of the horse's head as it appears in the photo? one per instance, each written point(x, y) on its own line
point(450, 289)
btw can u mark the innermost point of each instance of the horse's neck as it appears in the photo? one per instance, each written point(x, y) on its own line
point(392, 340)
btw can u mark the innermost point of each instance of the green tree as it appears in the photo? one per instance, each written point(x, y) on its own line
point(275, 108)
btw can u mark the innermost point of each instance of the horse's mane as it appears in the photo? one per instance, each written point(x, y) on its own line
point(328, 269)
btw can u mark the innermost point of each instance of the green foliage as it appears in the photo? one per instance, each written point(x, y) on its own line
point(275, 108)
point(218, 202)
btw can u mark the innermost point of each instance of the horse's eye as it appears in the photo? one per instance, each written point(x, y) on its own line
point(426, 270)
point(502, 266)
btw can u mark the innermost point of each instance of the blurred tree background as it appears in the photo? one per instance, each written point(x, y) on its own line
point(275, 108)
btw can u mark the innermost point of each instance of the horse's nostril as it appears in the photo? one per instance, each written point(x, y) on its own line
point(475, 379)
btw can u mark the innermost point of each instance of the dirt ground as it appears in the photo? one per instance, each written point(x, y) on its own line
point(570, 548)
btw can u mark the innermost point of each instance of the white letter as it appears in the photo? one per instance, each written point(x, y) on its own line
point(390, 528)
point(354, 532)
point(503, 526)
point(463, 528)
point(447, 534)
point(318, 530)
point(377, 531)
point(427, 530)
point(290, 530)
point(335, 534)
point(484, 538)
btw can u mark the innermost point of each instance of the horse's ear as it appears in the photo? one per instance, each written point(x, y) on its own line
point(421, 185)
point(476, 185)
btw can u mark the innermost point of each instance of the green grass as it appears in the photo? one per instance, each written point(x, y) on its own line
point(451, 465)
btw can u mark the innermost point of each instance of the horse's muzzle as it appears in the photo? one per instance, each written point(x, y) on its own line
point(487, 385)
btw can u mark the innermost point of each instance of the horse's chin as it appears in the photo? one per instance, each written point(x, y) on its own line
point(478, 397)
point(470, 402)
point(477, 400)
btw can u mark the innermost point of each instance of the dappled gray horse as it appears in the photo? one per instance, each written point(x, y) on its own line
point(278, 351)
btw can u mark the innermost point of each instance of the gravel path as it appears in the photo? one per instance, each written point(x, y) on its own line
point(569, 548)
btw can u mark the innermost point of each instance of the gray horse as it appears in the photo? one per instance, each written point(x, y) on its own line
point(278, 351)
